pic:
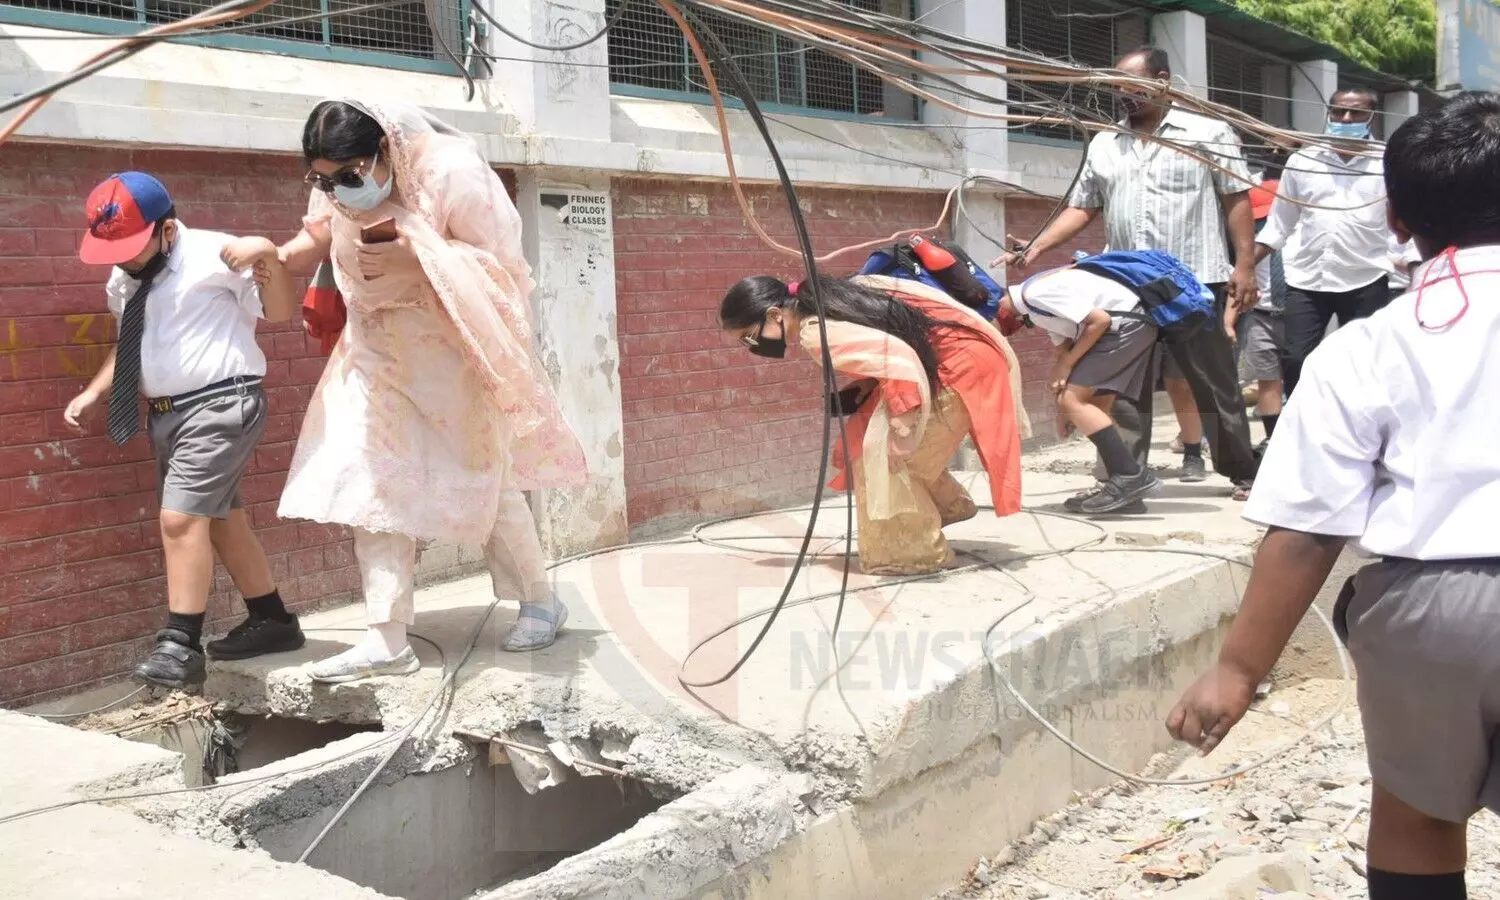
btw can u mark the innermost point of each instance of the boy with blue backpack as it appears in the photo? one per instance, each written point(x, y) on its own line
point(1105, 314)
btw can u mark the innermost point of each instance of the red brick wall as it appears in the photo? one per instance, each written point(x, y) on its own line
point(1023, 218)
point(81, 585)
point(709, 429)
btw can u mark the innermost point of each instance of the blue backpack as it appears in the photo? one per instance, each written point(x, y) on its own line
point(901, 262)
point(1176, 302)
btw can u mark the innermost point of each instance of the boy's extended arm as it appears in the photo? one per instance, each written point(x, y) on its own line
point(1290, 568)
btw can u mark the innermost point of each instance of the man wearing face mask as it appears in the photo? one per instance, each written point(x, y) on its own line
point(1158, 197)
point(1329, 221)
point(187, 341)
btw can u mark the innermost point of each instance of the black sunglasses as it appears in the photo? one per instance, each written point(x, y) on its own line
point(352, 177)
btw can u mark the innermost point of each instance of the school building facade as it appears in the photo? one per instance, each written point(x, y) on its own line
point(615, 162)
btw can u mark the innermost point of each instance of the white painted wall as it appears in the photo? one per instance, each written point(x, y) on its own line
point(574, 307)
point(1182, 34)
point(1313, 85)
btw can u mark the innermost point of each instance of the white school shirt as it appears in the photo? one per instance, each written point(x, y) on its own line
point(200, 317)
point(1340, 248)
point(1402, 256)
point(1154, 197)
point(1392, 436)
point(1058, 300)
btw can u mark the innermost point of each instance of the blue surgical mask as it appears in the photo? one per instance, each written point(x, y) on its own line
point(1351, 130)
point(369, 194)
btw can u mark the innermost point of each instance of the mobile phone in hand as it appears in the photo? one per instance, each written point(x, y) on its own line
point(382, 232)
point(845, 402)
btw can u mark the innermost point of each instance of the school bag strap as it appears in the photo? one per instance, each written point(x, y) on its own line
point(1172, 298)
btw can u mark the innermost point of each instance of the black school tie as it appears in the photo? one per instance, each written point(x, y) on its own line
point(124, 404)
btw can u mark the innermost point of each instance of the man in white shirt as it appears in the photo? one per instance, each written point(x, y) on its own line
point(1391, 441)
point(1155, 197)
point(187, 341)
point(1104, 350)
point(1328, 221)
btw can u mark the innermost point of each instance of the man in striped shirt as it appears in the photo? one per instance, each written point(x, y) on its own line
point(1156, 197)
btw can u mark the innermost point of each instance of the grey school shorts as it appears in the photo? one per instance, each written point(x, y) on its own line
point(1120, 361)
point(203, 451)
point(1262, 335)
point(1423, 637)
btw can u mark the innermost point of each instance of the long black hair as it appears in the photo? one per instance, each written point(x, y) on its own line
point(338, 132)
point(748, 301)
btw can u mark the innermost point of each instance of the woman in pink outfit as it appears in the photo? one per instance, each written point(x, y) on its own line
point(434, 412)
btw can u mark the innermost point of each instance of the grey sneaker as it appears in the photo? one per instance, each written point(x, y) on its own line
point(1074, 504)
point(1193, 469)
point(351, 665)
point(1120, 492)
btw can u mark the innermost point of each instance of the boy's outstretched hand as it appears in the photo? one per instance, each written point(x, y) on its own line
point(1212, 706)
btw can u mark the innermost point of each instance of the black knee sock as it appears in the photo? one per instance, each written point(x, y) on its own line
point(1269, 420)
point(191, 625)
point(1395, 886)
point(1114, 453)
point(268, 607)
point(1194, 449)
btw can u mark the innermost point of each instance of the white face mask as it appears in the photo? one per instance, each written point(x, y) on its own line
point(369, 194)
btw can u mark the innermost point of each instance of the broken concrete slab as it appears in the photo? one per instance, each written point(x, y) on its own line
point(909, 754)
point(1249, 878)
point(89, 850)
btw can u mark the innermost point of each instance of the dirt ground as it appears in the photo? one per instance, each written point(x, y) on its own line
point(1136, 842)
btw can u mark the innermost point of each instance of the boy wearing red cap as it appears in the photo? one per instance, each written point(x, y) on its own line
point(1261, 338)
point(187, 341)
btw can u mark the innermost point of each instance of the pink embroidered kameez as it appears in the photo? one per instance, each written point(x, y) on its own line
point(434, 402)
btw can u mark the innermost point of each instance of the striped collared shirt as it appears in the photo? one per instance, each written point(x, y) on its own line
point(1155, 198)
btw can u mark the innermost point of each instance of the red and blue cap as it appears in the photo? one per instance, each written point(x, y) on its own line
point(122, 213)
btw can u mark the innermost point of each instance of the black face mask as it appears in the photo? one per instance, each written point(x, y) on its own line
point(155, 264)
point(769, 348)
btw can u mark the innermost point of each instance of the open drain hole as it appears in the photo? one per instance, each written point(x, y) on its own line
point(448, 834)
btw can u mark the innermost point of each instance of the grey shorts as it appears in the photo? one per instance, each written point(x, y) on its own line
point(203, 451)
point(1423, 637)
point(1262, 337)
point(1120, 362)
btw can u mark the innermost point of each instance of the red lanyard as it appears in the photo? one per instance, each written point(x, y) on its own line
point(1450, 256)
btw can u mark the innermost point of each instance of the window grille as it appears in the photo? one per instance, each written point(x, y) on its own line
point(393, 35)
point(647, 54)
point(1086, 32)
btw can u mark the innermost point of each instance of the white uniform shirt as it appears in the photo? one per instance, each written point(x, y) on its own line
point(1156, 198)
point(1392, 436)
point(1058, 300)
point(1342, 247)
point(200, 318)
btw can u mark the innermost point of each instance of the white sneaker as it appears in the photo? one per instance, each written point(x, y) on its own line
point(353, 665)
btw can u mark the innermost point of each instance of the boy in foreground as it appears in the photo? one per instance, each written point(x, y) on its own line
point(187, 341)
point(1391, 440)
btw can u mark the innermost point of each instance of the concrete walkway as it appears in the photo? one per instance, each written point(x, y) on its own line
point(904, 690)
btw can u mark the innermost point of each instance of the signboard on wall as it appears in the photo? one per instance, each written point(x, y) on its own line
point(577, 210)
point(1479, 44)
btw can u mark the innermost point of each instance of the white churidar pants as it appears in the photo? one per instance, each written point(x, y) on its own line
point(388, 564)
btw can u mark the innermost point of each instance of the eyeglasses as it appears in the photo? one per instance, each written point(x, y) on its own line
point(352, 177)
point(753, 340)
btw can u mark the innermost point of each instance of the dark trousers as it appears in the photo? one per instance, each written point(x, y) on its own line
point(1308, 314)
point(1206, 360)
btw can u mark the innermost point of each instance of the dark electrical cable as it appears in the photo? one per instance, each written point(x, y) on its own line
point(718, 54)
